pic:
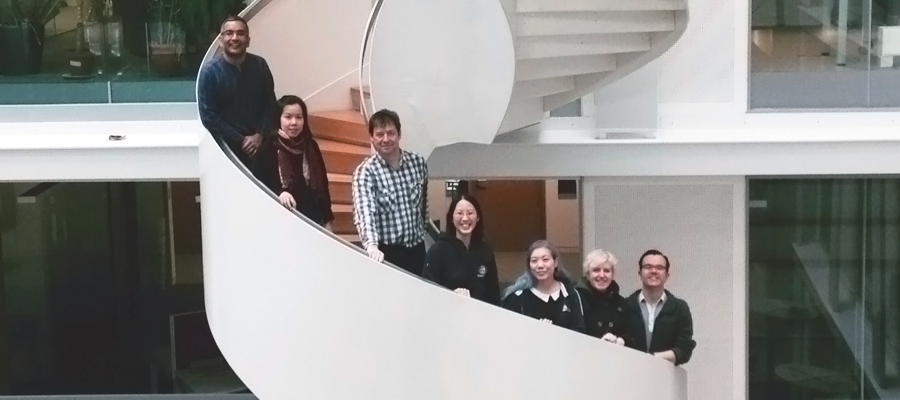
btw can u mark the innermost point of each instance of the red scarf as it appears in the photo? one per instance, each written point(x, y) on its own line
point(304, 146)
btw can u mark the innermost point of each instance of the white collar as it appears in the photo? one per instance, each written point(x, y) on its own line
point(555, 295)
point(641, 298)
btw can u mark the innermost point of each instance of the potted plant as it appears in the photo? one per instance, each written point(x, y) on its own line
point(81, 60)
point(23, 35)
point(165, 38)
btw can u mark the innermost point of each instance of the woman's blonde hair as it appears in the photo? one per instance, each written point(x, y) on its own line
point(601, 257)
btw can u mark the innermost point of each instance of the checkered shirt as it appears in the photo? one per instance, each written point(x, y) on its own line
point(391, 207)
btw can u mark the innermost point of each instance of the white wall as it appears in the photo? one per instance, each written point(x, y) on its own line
point(311, 44)
point(563, 218)
point(446, 67)
point(700, 224)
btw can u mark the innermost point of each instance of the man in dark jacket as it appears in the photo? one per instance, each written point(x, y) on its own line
point(236, 95)
point(659, 323)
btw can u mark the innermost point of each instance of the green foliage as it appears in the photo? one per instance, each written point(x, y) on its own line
point(201, 19)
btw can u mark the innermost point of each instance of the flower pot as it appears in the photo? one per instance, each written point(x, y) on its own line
point(80, 63)
point(165, 59)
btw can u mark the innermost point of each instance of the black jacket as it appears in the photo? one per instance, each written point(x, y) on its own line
point(565, 311)
point(604, 312)
point(450, 264)
point(672, 330)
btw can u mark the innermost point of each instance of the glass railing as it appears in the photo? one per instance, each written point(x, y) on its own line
point(819, 54)
point(105, 51)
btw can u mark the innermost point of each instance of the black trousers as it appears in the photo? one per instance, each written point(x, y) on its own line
point(410, 259)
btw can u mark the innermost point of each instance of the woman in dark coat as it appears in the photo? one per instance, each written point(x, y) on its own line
point(460, 260)
point(544, 290)
point(299, 173)
point(604, 308)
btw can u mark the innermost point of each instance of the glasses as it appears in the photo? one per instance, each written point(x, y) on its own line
point(230, 33)
point(654, 267)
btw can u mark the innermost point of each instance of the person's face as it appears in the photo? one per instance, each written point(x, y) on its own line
point(542, 264)
point(386, 140)
point(234, 38)
point(465, 217)
point(653, 271)
point(292, 120)
point(600, 275)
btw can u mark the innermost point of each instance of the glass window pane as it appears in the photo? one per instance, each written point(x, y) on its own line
point(815, 54)
point(89, 301)
point(823, 284)
point(107, 51)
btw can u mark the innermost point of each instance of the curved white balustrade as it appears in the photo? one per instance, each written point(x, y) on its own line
point(298, 313)
point(447, 67)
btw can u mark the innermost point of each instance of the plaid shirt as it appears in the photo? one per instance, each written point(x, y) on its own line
point(391, 207)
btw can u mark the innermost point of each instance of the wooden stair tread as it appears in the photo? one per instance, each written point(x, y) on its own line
point(352, 116)
point(341, 208)
point(331, 146)
point(342, 178)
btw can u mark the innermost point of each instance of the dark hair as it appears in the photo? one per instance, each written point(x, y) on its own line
point(652, 252)
point(382, 118)
point(526, 280)
point(289, 100)
point(233, 18)
point(478, 231)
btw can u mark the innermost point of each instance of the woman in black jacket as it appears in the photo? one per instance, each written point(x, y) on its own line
point(460, 260)
point(544, 291)
point(604, 308)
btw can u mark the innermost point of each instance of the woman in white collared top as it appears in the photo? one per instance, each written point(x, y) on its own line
point(544, 290)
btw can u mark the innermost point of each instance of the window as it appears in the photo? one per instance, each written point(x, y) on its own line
point(824, 288)
point(101, 283)
point(105, 51)
point(815, 54)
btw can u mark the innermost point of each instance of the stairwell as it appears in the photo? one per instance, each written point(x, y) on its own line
point(343, 137)
point(566, 49)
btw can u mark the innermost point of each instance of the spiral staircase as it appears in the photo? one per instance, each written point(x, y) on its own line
point(302, 313)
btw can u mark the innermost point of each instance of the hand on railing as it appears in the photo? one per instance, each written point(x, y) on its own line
point(374, 253)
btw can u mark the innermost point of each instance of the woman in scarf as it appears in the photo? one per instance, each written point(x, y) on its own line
point(301, 181)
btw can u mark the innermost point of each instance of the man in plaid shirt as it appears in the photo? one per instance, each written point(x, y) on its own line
point(390, 205)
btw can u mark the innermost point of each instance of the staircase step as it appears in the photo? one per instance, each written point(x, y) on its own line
point(542, 87)
point(581, 45)
point(354, 96)
point(342, 158)
point(558, 23)
point(599, 5)
point(339, 186)
point(343, 222)
point(543, 68)
point(559, 99)
point(346, 126)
